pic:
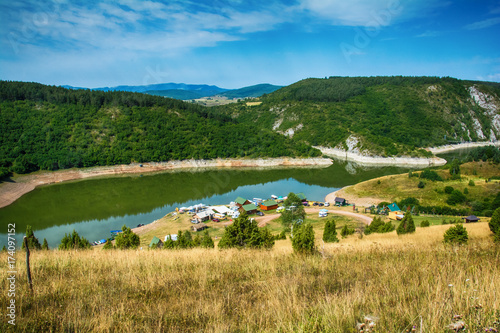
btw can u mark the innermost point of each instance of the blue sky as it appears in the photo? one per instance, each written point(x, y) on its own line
point(236, 43)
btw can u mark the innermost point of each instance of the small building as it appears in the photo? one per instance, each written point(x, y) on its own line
point(156, 243)
point(240, 202)
point(172, 237)
point(220, 209)
point(249, 209)
point(202, 216)
point(199, 227)
point(340, 201)
point(395, 213)
point(269, 205)
point(471, 218)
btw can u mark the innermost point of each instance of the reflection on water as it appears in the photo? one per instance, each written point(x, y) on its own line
point(94, 207)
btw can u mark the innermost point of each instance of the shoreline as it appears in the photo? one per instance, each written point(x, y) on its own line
point(379, 160)
point(458, 146)
point(13, 190)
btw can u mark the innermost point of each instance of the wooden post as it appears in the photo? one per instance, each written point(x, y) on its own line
point(28, 262)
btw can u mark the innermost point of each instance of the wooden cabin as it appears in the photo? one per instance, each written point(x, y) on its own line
point(471, 218)
point(249, 209)
point(240, 202)
point(269, 205)
point(199, 227)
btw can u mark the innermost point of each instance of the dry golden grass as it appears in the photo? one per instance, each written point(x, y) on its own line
point(401, 280)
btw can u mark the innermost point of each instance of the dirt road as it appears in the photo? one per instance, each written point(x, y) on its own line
point(262, 221)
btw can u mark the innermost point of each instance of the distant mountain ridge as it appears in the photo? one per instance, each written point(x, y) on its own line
point(185, 91)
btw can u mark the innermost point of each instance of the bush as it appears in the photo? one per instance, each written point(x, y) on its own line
point(33, 242)
point(45, 245)
point(421, 184)
point(471, 183)
point(448, 189)
point(424, 224)
point(108, 245)
point(466, 191)
point(494, 225)
point(303, 239)
point(73, 242)
point(330, 232)
point(346, 231)
point(431, 175)
point(456, 197)
point(456, 235)
point(406, 226)
point(281, 235)
point(127, 239)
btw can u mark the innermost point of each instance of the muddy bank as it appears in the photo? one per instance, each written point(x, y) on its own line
point(11, 191)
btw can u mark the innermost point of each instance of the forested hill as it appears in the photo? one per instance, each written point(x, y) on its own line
point(379, 115)
point(50, 128)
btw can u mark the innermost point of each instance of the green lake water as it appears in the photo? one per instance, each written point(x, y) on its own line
point(93, 207)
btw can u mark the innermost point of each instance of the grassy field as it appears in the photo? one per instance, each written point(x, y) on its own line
point(398, 187)
point(402, 281)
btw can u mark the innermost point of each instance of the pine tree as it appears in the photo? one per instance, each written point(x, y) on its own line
point(330, 232)
point(33, 242)
point(407, 225)
point(73, 241)
point(127, 239)
point(456, 235)
point(45, 245)
point(206, 241)
point(303, 239)
point(108, 245)
point(494, 224)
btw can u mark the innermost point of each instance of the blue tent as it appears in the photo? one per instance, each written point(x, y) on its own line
point(102, 241)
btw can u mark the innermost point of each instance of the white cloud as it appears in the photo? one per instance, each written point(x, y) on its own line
point(370, 13)
point(483, 24)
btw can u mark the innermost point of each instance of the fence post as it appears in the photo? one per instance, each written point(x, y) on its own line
point(28, 262)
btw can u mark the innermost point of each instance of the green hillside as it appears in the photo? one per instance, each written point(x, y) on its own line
point(47, 127)
point(379, 115)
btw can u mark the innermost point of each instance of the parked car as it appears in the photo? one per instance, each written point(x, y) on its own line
point(327, 204)
point(305, 203)
point(260, 213)
point(315, 204)
point(216, 220)
point(321, 204)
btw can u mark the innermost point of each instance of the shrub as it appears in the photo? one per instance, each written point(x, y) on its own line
point(471, 183)
point(346, 231)
point(456, 197)
point(448, 189)
point(290, 215)
point(303, 239)
point(108, 245)
point(281, 235)
point(127, 239)
point(330, 232)
point(406, 226)
point(466, 190)
point(456, 235)
point(73, 242)
point(431, 175)
point(425, 223)
point(421, 184)
point(494, 225)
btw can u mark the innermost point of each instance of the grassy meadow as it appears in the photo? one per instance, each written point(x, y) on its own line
point(398, 187)
point(406, 281)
